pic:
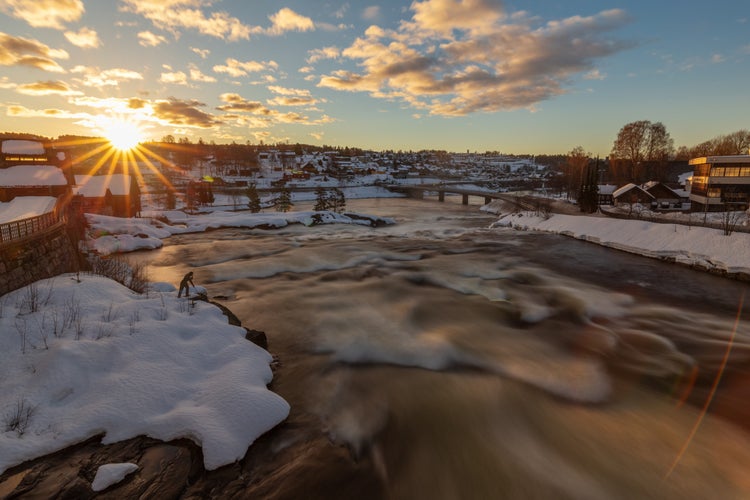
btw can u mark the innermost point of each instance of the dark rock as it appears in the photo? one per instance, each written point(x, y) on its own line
point(257, 337)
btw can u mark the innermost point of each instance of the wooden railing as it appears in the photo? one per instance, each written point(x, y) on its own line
point(23, 228)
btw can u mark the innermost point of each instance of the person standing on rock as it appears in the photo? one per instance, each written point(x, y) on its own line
point(188, 278)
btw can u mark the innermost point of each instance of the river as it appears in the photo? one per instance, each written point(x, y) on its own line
point(440, 359)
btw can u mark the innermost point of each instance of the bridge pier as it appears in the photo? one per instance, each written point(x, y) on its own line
point(465, 199)
point(441, 195)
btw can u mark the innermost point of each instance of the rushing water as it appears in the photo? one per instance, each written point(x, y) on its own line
point(455, 361)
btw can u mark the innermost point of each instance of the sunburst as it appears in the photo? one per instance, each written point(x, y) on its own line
point(122, 134)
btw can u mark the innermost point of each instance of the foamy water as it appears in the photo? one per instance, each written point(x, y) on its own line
point(463, 362)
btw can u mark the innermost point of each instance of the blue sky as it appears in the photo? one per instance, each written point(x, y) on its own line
point(517, 76)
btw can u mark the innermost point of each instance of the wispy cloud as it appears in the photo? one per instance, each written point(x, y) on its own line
point(316, 55)
point(236, 68)
point(85, 38)
point(174, 15)
point(149, 39)
point(49, 87)
point(17, 51)
point(288, 20)
point(455, 57)
point(44, 13)
point(98, 78)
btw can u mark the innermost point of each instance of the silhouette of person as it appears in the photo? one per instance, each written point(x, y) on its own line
point(188, 278)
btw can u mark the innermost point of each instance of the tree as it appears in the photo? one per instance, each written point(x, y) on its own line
point(588, 195)
point(321, 199)
point(637, 143)
point(337, 201)
point(573, 170)
point(284, 201)
point(253, 198)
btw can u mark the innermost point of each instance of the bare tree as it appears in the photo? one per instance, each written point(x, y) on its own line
point(574, 168)
point(639, 142)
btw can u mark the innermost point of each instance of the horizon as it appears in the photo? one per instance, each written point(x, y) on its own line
point(454, 75)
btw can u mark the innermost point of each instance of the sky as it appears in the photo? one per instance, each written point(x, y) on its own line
point(539, 76)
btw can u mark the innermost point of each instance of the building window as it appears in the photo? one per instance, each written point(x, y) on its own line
point(714, 192)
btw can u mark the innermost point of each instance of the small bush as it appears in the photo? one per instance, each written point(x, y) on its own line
point(17, 420)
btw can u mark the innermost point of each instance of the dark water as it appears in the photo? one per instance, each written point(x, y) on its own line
point(456, 361)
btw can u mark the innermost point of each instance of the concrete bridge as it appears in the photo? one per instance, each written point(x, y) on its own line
point(420, 190)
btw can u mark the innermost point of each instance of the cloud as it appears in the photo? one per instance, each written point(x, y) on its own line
point(24, 112)
point(47, 88)
point(173, 15)
point(594, 74)
point(95, 77)
point(717, 58)
point(85, 38)
point(455, 57)
point(236, 68)
point(371, 13)
point(174, 77)
point(16, 51)
point(316, 55)
point(44, 13)
point(183, 113)
point(203, 53)
point(264, 116)
point(288, 20)
point(197, 76)
point(341, 11)
point(148, 39)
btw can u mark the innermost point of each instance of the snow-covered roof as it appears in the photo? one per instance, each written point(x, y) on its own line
point(32, 175)
point(629, 187)
point(23, 207)
point(607, 188)
point(95, 186)
point(23, 147)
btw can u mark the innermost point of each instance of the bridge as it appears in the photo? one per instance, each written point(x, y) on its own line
point(420, 190)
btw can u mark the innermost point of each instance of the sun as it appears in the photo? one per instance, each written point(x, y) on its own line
point(124, 135)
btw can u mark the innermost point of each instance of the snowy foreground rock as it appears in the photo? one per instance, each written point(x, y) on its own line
point(80, 359)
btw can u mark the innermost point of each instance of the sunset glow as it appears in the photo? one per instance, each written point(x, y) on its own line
point(123, 135)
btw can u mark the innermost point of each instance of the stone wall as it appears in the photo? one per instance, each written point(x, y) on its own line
point(43, 255)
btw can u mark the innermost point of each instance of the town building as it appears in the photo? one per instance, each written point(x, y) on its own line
point(720, 183)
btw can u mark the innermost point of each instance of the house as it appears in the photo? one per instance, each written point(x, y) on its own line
point(665, 198)
point(631, 195)
point(117, 194)
point(720, 183)
point(605, 194)
point(32, 180)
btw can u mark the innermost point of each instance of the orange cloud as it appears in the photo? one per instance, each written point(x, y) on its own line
point(47, 88)
point(456, 57)
point(16, 51)
point(44, 13)
point(85, 38)
point(288, 20)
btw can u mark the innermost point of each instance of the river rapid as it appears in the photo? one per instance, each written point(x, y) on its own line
point(446, 360)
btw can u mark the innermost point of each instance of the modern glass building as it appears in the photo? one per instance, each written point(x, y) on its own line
point(720, 183)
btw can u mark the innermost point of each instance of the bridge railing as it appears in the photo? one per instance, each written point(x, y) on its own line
point(23, 228)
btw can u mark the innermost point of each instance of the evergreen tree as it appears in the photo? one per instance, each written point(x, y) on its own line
point(337, 201)
point(253, 198)
point(284, 201)
point(321, 199)
point(588, 195)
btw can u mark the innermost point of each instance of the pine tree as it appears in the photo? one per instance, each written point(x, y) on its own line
point(284, 202)
point(321, 199)
point(338, 201)
point(588, 195)
point(253, 198)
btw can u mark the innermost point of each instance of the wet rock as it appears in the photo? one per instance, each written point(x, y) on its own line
point(257, 337)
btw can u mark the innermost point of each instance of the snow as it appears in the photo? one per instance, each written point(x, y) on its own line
point(80, 359)
point(23, 147)
point(23, 207)
point(694, 246)
point(117, 235)
point(32, 175)
point(110, 474)
point(95, 186)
